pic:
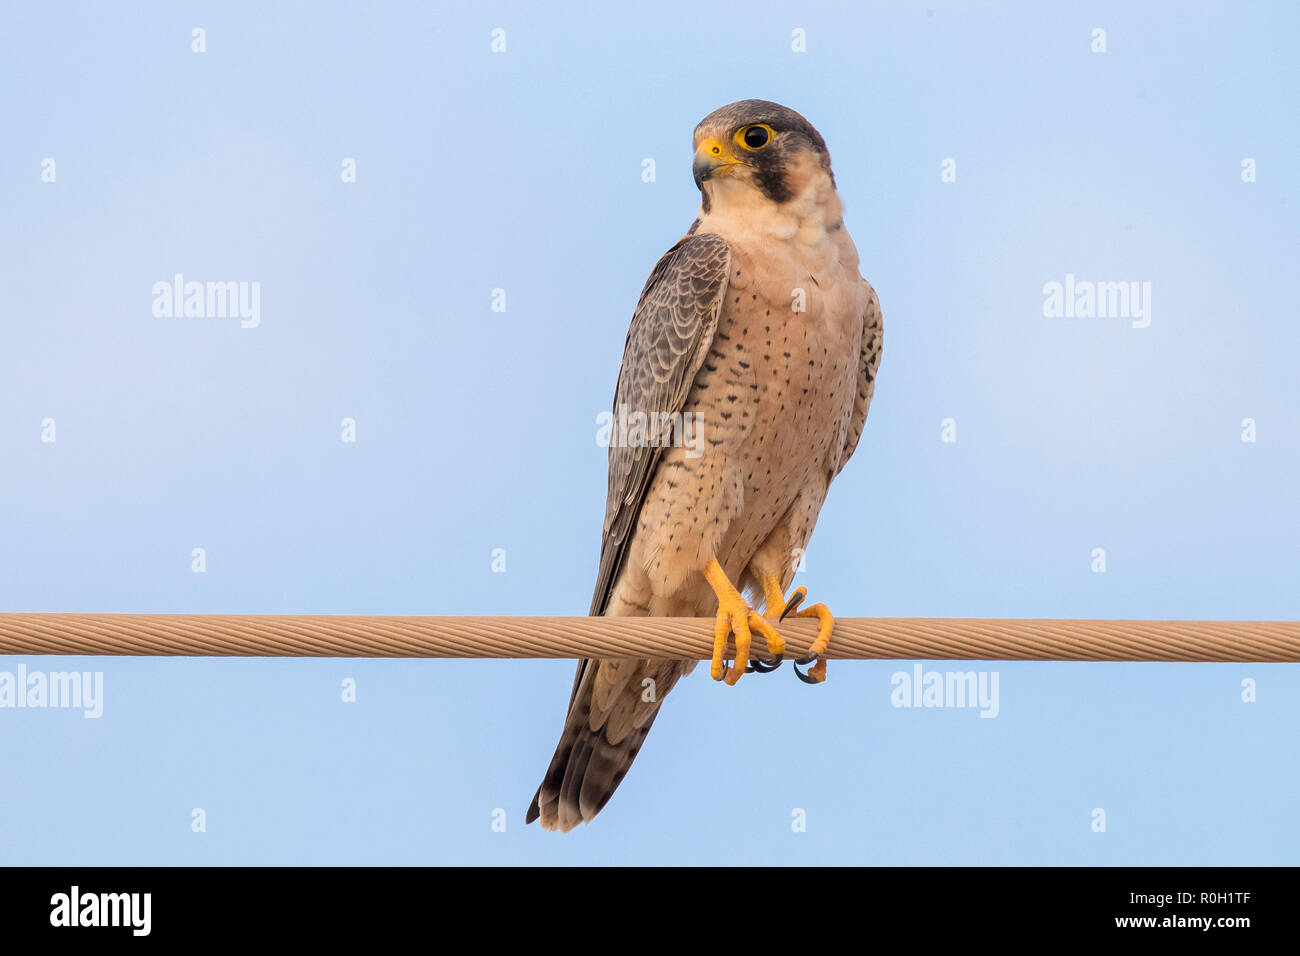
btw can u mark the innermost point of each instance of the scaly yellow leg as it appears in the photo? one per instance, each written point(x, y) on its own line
point(778, 605)
point(735, 616)
point(776, 601)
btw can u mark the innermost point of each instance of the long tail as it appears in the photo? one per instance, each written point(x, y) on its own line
point(611, 709)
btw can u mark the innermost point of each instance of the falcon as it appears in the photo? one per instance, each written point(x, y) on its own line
point(757, 330)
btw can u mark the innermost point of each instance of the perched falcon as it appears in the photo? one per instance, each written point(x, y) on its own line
point(757, 328)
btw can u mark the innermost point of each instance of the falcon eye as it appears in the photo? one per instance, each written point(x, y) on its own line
point(754, 137)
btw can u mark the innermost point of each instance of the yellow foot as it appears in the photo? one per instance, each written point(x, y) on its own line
point(779, 606)
point(735, 616)
point(826, 623)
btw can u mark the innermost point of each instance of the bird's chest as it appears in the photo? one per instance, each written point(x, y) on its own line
point(786, 349)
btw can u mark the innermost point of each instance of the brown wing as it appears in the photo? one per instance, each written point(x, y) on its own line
point(669, 338)
point(872, 340)
point(667, 343)
point(671, 332)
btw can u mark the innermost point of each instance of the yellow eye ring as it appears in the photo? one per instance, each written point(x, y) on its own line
point(754, 137)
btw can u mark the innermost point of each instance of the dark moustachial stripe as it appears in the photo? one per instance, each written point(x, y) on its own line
point(770, 177)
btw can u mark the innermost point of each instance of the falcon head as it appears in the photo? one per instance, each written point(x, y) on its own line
point(755, 144)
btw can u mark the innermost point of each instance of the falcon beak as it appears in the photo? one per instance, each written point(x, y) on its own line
point(711, 156)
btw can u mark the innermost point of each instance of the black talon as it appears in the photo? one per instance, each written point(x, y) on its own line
point(763, 667)
point(805, 661)
point(795, 600)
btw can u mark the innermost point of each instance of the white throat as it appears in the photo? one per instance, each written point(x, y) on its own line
point(737, 209)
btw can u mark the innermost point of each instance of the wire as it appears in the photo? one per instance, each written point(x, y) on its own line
point(318, 635)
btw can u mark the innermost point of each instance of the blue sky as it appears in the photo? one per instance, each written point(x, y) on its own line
point(475, 429)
